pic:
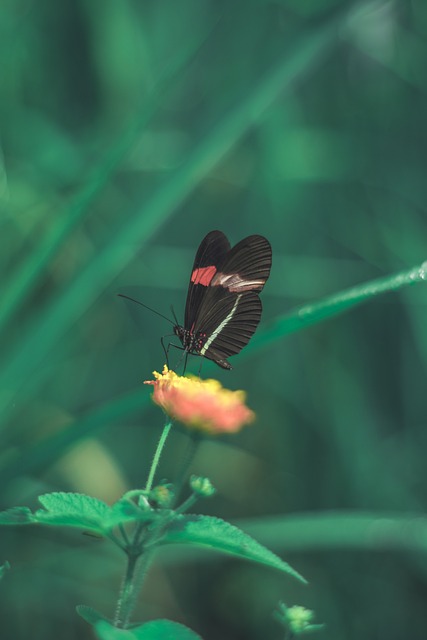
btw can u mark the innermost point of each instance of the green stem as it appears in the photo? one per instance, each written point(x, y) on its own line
point(187, 504)
point(138, 554)
point(157, 455)
point(132, 582)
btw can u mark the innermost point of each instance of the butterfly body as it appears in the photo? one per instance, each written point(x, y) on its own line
point(191, 342)
point(223, 308)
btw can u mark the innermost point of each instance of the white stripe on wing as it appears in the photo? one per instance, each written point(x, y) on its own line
point(220, 327)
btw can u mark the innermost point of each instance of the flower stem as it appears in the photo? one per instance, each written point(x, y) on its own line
point(132, 581)
point(187, 504)
point(157, 455)
point(138, 554)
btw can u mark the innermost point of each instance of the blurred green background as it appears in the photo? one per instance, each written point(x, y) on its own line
point(128, 131)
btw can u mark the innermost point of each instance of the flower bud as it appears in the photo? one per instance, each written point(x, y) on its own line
point(202, 486)
point(162, 495)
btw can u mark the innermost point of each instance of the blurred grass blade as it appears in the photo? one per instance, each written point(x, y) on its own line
point(332, 530)
point(309, 314)
point(16, 288)
point(67, 307)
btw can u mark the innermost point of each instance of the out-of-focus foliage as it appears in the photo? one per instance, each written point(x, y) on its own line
point(130, 129)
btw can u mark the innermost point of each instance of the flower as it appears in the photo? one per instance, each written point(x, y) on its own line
point(203, 405)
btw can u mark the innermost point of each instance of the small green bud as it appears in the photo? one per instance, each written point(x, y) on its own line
point(297, 619)
point(202, 486)
point(162, 495)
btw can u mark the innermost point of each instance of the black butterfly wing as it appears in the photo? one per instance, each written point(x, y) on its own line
point(229, 321)
point(245, 267)
point(223, 309)
point(211, 252)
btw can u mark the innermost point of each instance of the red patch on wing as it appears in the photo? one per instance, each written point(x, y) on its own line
point(203, 275)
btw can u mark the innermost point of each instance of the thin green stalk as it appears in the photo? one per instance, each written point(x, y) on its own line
point(331, 306)
point(137, 553)
point(187, 504)
point(157, 455)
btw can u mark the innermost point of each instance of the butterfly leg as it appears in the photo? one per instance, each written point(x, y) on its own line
point(175, 346)
point(166, 351)
point(200, 368)
point(183, 357)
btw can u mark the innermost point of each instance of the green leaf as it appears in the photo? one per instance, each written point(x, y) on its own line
point(164, 630)
point(16, 515)
point(90, 615)
point(106, 631)
point(219, 535)
point(62, 509)
point(72, 510)
point(154, 630)
point(79, 510)
point(74, 504)
point(76, 509)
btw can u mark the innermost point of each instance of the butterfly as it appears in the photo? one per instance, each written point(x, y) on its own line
point(223, 308)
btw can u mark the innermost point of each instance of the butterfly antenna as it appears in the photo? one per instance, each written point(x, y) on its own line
point(122, 295)
point(174, 315)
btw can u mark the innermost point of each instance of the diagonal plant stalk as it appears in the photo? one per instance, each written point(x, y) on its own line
point(312, 313)
point(17, 287)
